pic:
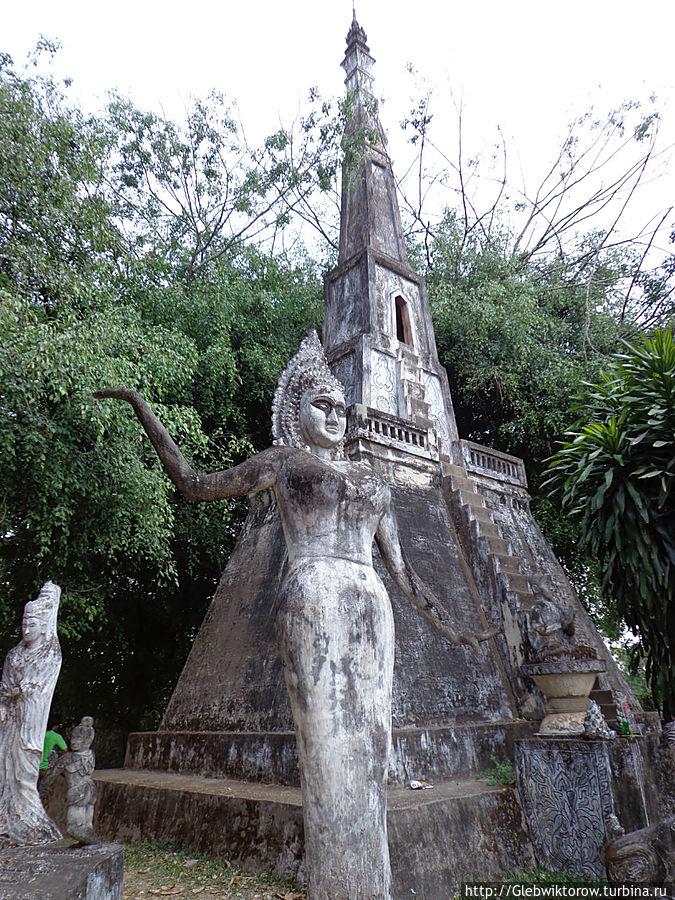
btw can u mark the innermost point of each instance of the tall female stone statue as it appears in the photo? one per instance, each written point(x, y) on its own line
point(335, 624)
point(28, 681)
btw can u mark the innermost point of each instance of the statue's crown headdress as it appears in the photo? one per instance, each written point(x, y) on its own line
point(45, 606)
point(307, 369)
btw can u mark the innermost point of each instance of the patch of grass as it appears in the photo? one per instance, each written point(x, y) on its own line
point(502, 772)
point(547, 876)
point(162, 870)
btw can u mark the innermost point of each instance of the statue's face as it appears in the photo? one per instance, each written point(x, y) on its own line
point(31, 629)
point(323, 418)
point(77, 741)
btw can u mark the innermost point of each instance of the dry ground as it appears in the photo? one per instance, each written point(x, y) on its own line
point(151, 872)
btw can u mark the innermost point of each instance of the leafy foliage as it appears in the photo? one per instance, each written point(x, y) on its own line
point(515, 340)
point(616, 474)
point(501, 773)
point(100, 286)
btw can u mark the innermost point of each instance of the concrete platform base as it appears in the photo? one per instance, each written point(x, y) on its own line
point(461, 830)
point(60, 871)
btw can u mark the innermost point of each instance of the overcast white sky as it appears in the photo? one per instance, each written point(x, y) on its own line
point(524, 65)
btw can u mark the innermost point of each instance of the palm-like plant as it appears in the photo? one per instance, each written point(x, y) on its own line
point(616, 473)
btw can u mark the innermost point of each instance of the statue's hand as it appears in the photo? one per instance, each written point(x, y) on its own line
point(119, 393)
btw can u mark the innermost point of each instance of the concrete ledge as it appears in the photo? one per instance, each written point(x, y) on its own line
point(461, 830)
point(246, 756)
point(60, 871)
point(437, 752)
point(258, 826)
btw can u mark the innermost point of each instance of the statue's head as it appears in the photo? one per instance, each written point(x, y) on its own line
point(309, 403)
point(39, 615)
point(82, 735)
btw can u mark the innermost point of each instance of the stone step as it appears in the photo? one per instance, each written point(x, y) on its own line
point(438, 751)
point(516, 582)
point(449, 468)
point(59, 870)
point(260, 826)
point(607, 704)
point(487, 528)
point(497, 546)
point(462, 483)
point(472, 499)
point(602, 698)
point(509, 565)
point(479, 513)
point(522, 600)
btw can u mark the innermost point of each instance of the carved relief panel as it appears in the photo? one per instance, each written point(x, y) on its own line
point(566, 792)
point(383, 383)
point(434, 397)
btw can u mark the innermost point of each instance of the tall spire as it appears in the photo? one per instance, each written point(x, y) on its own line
point(358, 62)
point(377, 333)
point(370, 215)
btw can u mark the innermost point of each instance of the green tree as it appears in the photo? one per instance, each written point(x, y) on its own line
point(616, 475)
point(100, 286)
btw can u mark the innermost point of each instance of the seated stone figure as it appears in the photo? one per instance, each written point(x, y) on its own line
point(549, 627)
point(28, 681)
point(334, 619)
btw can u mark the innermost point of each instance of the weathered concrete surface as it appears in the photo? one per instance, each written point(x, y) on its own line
point(639, 796)
point(509, 508)
point(441, 751)
point(233, 679)
point(461, 830)
point(255, 825)
point(61, 872)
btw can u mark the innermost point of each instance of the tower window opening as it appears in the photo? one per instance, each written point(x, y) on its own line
point(403, 329)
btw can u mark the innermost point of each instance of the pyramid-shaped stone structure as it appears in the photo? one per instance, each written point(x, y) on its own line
point(222, 771)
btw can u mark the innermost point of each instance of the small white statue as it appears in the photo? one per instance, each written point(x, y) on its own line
point(78, 766)
point(28, 681)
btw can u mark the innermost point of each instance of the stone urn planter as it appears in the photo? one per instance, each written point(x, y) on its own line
point(566, 683)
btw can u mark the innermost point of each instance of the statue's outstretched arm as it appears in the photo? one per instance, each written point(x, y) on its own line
point(412, 585)
point(255, 474)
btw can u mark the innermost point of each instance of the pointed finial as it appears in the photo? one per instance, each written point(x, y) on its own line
point(356, 34)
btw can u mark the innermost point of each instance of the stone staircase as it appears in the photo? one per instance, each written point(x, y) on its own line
point(504, 570)
point(478, 525)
